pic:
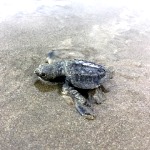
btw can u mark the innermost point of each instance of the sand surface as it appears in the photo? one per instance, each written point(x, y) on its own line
point(34, 116)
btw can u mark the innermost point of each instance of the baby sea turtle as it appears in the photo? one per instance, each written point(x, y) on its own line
point(75, 76)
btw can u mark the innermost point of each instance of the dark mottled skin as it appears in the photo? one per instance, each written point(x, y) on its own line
point(81, 74)
point(75, 74)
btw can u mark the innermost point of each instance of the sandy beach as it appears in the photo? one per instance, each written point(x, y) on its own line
point(34, 116)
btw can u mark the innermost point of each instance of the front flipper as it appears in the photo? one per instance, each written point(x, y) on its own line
point(52, 57)
point(79, 101)
point(85, 111)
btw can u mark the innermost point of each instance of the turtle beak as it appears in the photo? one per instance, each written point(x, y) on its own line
point(37, 72)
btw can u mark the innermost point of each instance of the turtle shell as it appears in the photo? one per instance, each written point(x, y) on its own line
point(84, 74)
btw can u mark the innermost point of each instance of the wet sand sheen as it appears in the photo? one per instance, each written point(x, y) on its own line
point(35, 116)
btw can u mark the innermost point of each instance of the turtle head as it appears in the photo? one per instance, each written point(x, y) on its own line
point(45, 72)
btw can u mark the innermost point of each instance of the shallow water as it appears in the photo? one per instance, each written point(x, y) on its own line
point(34, 115)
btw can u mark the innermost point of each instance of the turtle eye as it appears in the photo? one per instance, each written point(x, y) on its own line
point(43, 74)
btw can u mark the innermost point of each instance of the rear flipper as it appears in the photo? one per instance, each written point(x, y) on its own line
point(80, 102)
point(96, 96)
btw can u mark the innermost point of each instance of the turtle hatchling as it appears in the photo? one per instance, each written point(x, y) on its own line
point(76, 76)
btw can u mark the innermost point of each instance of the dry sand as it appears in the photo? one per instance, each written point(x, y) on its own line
point(34, 116)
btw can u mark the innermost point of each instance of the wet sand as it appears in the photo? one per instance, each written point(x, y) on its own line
point(34, 116)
